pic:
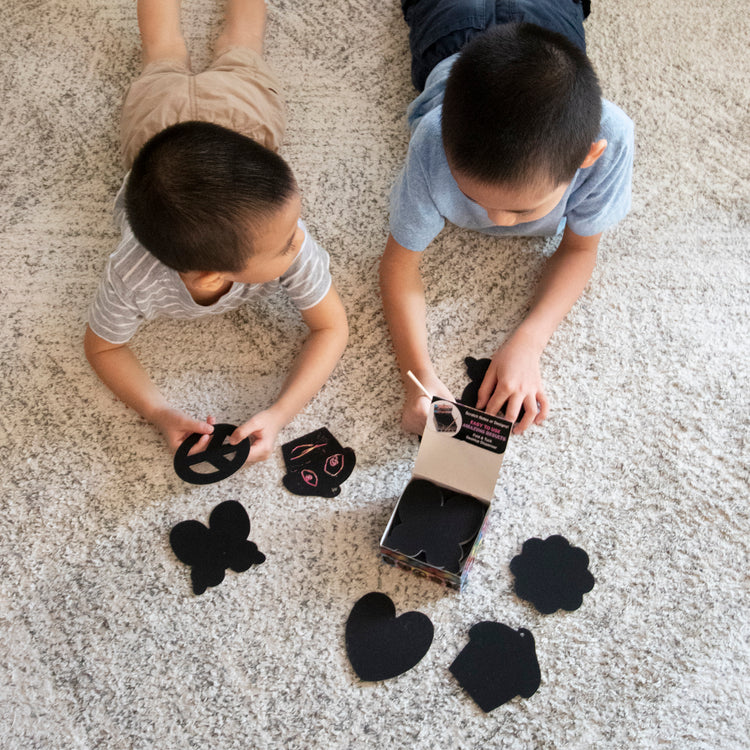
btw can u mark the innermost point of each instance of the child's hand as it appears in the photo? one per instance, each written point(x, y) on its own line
point(514, 376)
point(417, 406)
point(262, 429)
point(177, 426)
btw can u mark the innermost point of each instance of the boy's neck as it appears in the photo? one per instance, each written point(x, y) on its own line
point(204, 294)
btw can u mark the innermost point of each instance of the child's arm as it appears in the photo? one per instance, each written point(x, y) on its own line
point(404, 306)
point(123, 374)
point(514, 374)
point(321, 351)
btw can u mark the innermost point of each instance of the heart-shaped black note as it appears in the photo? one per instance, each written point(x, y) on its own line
point(381, 645)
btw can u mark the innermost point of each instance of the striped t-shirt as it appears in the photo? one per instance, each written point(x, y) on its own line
point(136, 287)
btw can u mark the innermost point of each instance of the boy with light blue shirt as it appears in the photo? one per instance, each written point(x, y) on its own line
point(510, 136)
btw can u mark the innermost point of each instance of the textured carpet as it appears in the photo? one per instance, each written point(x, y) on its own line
point(643, 461)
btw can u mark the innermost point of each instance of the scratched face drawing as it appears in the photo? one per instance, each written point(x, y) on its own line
point(316, 464)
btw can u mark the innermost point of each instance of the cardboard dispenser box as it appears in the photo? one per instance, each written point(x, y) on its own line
point(437, 525)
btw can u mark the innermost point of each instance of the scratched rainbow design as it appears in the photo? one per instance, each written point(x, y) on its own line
point(425, 570)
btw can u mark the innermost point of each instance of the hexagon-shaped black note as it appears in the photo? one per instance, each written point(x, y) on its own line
point(552, 574)
point(381, 645)
point(210, 551)
point(223, 457)
point(498, 664)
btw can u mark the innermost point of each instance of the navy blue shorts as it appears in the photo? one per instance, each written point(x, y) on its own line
point(440, 28)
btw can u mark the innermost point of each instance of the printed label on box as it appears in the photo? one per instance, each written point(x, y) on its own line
point(484, 430)
point(462, 448)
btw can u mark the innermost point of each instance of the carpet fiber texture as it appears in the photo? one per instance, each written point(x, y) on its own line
point(642, 462)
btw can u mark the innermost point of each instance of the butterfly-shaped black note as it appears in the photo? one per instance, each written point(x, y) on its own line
point(222, 458)
point(497, 664)
point(316, 464)
point(437, 523)
point(552, 574)
point(476, 369)
point(381, 645)
point(210, 551)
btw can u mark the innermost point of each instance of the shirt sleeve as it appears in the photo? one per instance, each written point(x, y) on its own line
point(604, 197)
point(112, 315)
point(309, 278)
point(119, 213)
point(415, 220)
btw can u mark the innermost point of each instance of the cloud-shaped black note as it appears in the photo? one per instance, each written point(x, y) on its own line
point(212, 550)
point(224, 458)
point(317, 464)
point(552, 574)
point(476, 369)
point(498, 664)
point(437, 522)
point(381, 645)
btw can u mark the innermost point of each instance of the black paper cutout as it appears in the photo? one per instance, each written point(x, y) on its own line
point(552, 574)
point(381, 645)
point(211, 550)
point(317, 464)
point(215, 454)
point(437, 522)
point(298, 449)
point(498, 664)
point(476, 369)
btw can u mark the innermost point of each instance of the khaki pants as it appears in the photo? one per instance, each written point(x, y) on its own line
point(238, 91)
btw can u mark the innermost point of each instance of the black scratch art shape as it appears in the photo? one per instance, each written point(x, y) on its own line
point(552, 574)
point(317, 464)
point(381, 645)
point(436, 522)
point(476, 369)
point(498, 664)
point(210, 551)
point(224, 457)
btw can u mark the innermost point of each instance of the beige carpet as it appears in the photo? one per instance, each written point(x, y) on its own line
point(643, 461)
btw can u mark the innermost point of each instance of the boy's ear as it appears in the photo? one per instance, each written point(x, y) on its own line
point(596, 150)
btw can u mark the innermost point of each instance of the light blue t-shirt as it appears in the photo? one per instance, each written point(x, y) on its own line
point(425, 194)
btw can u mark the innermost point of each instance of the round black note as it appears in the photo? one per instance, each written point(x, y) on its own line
point(224, 457)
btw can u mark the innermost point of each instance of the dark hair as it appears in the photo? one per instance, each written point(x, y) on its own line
point(522, 104)
point(196, 191)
